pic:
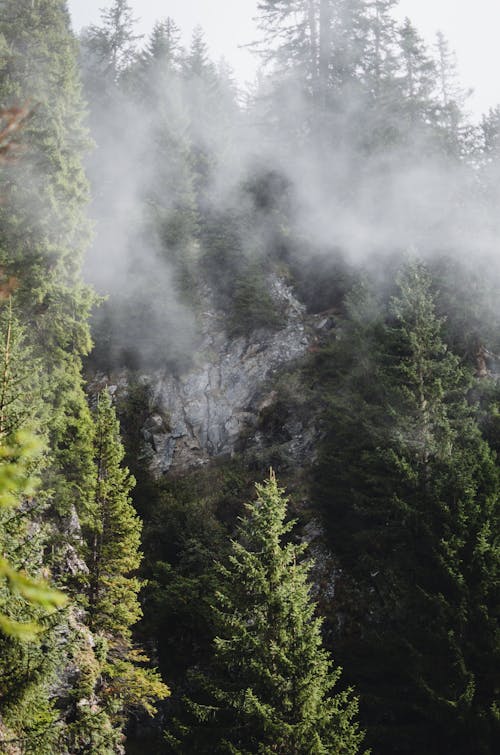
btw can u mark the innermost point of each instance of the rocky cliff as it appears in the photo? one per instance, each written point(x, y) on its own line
point(210, 409)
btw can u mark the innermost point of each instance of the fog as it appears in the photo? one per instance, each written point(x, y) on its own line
point(177, 146)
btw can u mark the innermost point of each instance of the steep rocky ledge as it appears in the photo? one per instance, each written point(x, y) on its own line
point(206, 411)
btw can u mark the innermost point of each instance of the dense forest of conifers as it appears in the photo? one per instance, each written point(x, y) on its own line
point(190, 612)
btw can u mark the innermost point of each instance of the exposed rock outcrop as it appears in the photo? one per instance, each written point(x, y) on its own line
point(232, 396)
point(205, 412)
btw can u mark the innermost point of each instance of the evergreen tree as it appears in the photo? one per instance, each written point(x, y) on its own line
point(417, 80)
point(197, 63)
point(306, 39)
point(380, 47)
point(29, 656)
point(379, 109)
point(113, 44)
point(347, 45)
point(162, 55)
point(152, 76)
point(299, 40)
point(289, 46)
point(42, 227)
point(412, 506)
point(490, 127)
point(200, 96)
point(21, 406)
point(113, 605)
point(41, 238)
point(451, 96)
point(488, 159)
point(292, 24)
point(269, 687)
point(170, 194)
point(340, 57)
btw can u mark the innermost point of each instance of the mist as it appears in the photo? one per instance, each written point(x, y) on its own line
point(196, 182)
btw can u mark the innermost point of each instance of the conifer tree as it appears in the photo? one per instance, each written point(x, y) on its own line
point(114, 557)
point(297, 38)
point(153, 79)
point(199, 71)
point(417, 80)
point(114, 43)
point(378, 69)
point(29, 656)
point(197, 63)
point(380, 47)
point(44, 194)
point(341, 55)
point(412, 505)
point(451, 96)
point(347, 44)
point(270, 686)
point(163, 48)
point(490, 127)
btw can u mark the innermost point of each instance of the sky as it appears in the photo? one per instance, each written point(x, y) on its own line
point(471, 28)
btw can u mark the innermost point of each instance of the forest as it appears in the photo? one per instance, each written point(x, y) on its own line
point(249, 389)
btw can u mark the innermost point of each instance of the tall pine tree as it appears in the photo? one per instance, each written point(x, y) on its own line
point(410, 492)
point(114, 558)
point(270, 686)
point(43, 231)
point(29, 656)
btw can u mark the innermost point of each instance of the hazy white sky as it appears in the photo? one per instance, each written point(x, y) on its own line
point(472, 29)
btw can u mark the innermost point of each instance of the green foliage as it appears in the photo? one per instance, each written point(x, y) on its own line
point(408, 486)
point(42, 227)
point(29, 605)
point(410, 494)
point(51, 669)
point(28, 715)
point(114, 557)
point(17, 483)
point(186, 522)
point(114, 43)
point(253, 305)
point(20, 459)
point(269, 686)
point(163, 47)
point(113, 605)
point(29, 609)
point(20, 377)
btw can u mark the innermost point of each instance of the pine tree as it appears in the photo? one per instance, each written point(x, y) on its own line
point(21, 405)
point(293, 23)
point(298, 40)
point(113, 605)
point(289, 48)
point(43, 231)
point(378, 109)
point(269, 688)
point(417, 80)
point(488, 159)
point(380, 47)
point(347, 44)
point(200, 73)
point(163, 52)
point(113, 44)
point(412, 506)
point(197, 63)
point(340, 57)
point(29, 656)
point(490, 127)
point(50, 681)
point(41, 239)
point(451, 96)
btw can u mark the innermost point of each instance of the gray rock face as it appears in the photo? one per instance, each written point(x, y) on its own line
point(205, 412)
